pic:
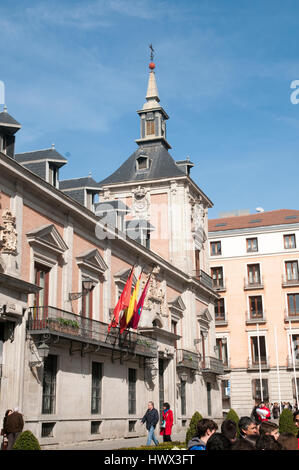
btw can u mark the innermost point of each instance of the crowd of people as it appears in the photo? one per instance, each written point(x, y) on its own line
point(254, 434)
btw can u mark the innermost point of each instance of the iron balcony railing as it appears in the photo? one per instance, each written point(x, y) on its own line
point(290, 280)
point(291, 315)
point(221, 319)
point(254, 364)
point(219, 285)
point(212, 365)
point(59, 322)
point(253, 283)
point(187, 359)
point(255, 317)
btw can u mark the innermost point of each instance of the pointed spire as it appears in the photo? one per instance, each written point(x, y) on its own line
point(152, 95)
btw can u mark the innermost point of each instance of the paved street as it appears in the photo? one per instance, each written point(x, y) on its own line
point(113, 444)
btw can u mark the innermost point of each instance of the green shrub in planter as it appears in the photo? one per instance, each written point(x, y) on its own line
point(26, 441)
point(234, 417)
point(192, 429)
point(286, 423)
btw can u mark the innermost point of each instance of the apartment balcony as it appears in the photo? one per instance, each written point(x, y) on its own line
point(290, 281)
point(290, 364)
point(63, 324)
point(204, 278)
point(212, 365)
point(253, 284)
point(226, 365)
point(291, 316)
point(252, 318)
point(219, 285)
point(187, 359)
point(253, 364)
point(1, 367)
point(221, 319)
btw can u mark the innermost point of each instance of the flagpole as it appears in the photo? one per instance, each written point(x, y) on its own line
point(277, 367)
point(293, 360)
point(260, 367)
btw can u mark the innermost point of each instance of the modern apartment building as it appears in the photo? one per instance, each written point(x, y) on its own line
point(254, 266)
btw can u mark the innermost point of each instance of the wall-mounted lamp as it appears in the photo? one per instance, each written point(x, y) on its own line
point(88, 284)
point(42, 351)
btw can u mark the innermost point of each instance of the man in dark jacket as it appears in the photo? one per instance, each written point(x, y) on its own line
point(151, 419)
point(14, 427)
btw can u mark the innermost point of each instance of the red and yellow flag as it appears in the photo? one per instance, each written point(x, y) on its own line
point(123, 301)
point(128, 314)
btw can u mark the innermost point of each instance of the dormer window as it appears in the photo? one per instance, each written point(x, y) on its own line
point(142, 163)
point(53, 174)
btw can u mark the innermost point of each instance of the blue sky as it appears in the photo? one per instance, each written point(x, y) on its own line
point(76, 72)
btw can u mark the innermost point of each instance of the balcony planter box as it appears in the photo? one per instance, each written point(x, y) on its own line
point(70, 327)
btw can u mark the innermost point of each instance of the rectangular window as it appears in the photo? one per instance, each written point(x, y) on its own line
point(258, 388)
point(215, 248)
point(132, 391)
point(95, 427)
point(209, 400)
point(183, 397)
point(53, 175)
point(42, 280)
point(251, 244)
point(256, 306)
point(217, 277)
point(222, 350)
point(295, 340)
point(174, 331)
point(150, 127)
point(96, 387)
point(87, 299)
point(293, 304)
point(292, 270)
point(219, 309)
point(254, 275)
point(47, 429)
point(49, 385)
point(289, 241)
point(258, 345)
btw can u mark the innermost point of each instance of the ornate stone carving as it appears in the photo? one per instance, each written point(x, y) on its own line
point(141, 203)
point(155, 300)
point(9, 233)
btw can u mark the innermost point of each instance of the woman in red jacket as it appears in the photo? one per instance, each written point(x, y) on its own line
point(167, 422)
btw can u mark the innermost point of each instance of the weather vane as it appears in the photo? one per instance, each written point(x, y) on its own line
point(152, 52)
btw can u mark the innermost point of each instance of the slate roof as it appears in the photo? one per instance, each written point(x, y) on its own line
point(7, 120)
point(259, 219)
point(162, 166)
point(47, 154)
point(74, 183)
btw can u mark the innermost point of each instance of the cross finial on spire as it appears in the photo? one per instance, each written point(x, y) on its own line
point(152, 52)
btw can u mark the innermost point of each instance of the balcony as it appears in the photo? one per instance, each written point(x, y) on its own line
point(290, 281)
point(253, 364)
point(187, 359)
point(204, 278)
point(291, 316)
point(212, 365)
point(253, 284)
point(51, 320)
point(221, 319)
point(219, 285)
point(252, 318)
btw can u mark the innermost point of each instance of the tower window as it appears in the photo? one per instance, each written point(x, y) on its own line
point(150, 127)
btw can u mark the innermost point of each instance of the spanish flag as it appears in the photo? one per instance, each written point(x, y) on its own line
point(123, 301)
point(128, 314)
point(137, 311)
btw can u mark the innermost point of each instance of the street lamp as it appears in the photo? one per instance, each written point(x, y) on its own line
point(87, 284)
point(43, 350)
